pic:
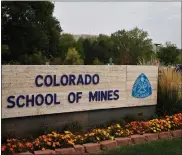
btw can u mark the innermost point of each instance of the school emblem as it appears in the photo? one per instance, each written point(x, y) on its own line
point(142, 87)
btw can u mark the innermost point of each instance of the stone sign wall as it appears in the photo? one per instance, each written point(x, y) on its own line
point(37, 90)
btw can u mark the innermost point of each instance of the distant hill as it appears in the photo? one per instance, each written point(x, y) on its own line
point(77, 36)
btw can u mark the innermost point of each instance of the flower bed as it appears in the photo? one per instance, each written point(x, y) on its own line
point(134, 130)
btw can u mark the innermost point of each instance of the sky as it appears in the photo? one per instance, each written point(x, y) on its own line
point(162, 20)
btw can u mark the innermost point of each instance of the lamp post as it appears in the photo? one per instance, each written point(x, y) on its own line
point(156, 45)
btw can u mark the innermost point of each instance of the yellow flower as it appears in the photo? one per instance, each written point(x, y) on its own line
point(93, 134)
point(97, 138)
point(118, 126)
point(66, 132)
point(154, 130)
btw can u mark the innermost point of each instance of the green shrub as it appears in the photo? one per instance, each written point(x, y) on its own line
point(96, 61)
point(56, 61)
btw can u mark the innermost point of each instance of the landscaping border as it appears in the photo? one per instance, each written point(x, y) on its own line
point(109, 144)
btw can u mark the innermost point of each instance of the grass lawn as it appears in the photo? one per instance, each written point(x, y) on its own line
point(167, 147)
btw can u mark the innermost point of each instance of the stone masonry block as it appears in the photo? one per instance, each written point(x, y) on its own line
point(46, 152)
point(151, 136)
point(79, 149)
point(92, 147)
point(165, 135)
point(137, 139)
point(177, 133)
point(123, 141)
point(108, 144)
point(65, 151)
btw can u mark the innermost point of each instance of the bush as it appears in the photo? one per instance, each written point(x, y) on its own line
point(56, 61)
point(37, 58)
point(117, 131)
point(169, 98)
point(73, 57)
point(11, 63)
point(151, 61)
point(96, 61)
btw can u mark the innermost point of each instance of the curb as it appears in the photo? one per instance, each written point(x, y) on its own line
point(109, 144)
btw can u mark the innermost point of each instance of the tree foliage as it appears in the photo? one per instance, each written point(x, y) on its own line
point(129, 46)
point(73, 57)
point(169, 54)
point(29, 28)
point(31, 35)
point(102, 48)
point(66, 41)
point(79, 47)
point(97, 62)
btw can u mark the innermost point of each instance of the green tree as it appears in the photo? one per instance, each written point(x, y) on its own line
point(29, 28)
point(88, 50)
point(66, 41)
point(179, 58)
point(129, 46)
point(168, 54)
point(56, 61)
point(80, 48)
point(97, 62)
point(36, 58)
point(73, 58)
point(102, 48)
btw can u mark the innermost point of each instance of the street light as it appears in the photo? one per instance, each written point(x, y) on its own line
point(156, 45)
